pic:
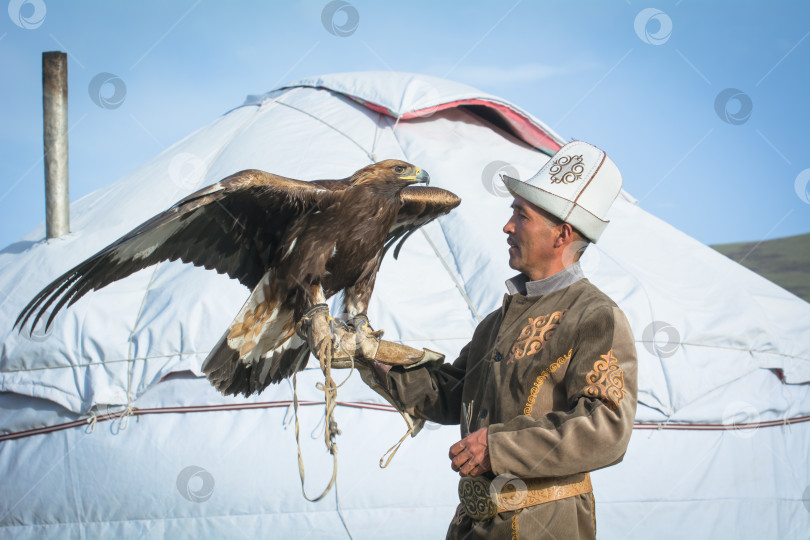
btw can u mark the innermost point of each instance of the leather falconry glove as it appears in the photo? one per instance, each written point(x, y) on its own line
point(342, 342)
point(329, 338)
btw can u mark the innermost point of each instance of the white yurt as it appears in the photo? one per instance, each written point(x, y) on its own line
point(109, 430)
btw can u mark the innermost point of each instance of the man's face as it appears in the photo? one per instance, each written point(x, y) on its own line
point(530, 235)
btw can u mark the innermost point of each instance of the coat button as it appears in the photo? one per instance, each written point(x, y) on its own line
point(498, 357)
point(483, 413)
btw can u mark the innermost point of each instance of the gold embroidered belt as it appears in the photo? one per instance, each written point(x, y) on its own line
point(483, 499)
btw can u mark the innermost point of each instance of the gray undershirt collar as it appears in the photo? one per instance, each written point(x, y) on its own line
point(520, 284)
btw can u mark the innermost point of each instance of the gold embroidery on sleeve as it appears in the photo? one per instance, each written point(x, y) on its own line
point(535, 335)
point(606, 381)
point(542, 378)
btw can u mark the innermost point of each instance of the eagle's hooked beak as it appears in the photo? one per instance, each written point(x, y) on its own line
point(419, 175)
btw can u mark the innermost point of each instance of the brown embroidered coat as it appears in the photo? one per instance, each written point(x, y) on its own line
point(554, 379)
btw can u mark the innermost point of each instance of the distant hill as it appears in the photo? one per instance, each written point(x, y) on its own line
point(784, 261)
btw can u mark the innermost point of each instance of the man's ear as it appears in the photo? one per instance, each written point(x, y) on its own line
point(565, 235)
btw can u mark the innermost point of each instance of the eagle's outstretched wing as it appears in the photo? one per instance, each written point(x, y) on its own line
point(233, 227)
point(421, 206)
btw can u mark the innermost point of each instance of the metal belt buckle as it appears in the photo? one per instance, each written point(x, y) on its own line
point(476, 498)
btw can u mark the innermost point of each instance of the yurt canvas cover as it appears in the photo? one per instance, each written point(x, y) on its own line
point(107, 428)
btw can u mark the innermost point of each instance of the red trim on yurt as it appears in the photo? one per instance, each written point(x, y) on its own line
point(527, 130)
point(91, 420)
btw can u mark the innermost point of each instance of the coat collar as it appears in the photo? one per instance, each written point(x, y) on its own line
point(520, 284)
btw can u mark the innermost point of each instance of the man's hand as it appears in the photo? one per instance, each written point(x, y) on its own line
point(470, 455)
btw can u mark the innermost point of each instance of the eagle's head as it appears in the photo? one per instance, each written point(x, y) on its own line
point(391, 175)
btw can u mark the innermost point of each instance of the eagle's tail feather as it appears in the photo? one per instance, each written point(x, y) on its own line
point(281, 363)
point(221, 366)
point(231, 376)
point(260, 347)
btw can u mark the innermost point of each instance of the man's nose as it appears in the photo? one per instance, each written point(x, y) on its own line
point(509, 227)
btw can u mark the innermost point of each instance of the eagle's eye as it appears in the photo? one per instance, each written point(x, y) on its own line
point(399, 169)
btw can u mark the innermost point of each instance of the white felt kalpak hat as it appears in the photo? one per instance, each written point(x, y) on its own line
point(577, 185)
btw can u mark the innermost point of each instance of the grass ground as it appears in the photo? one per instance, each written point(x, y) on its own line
point(784, 261)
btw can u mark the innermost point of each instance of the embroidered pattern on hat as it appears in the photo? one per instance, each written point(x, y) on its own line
point(534, 335)
point(566, 169)
point(606, 381)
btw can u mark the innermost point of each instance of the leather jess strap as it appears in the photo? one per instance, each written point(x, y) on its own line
point(483, 499)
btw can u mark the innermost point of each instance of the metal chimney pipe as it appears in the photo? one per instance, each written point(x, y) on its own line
point(54, 117)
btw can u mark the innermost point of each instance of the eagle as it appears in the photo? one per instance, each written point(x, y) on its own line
point(293, 243)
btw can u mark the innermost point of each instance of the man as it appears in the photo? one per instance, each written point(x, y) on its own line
point(546, 389)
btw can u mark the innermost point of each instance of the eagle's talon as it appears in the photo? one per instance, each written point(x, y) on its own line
point(358, 321)
point(337, 328)
point(361, 325)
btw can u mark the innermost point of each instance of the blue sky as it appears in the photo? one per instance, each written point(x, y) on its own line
point(646, 81)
